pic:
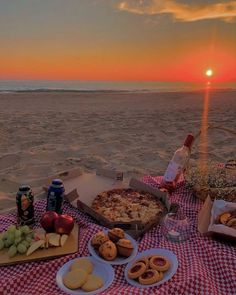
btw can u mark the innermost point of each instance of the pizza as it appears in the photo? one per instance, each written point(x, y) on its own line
point(128, 205)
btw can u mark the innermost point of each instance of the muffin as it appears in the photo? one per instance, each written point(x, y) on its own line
point(108, 250)
point(115, 234)
point(125, 247)
point(99, 239)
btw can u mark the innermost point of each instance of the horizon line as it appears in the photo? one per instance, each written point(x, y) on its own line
point(126, 81)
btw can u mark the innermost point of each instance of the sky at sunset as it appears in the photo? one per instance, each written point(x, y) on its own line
point(118, 40)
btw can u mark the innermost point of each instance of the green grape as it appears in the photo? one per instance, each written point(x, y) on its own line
point(11, 229)
point(7, 244)
point(21, 248)
point(25, 229)
point(27, 244)
point(18, 240)
point(1, 244)
point(17, 233)
point(28, 239)
point(10, 241)
point(12, 251)
point(11, 238)
point(4, 235)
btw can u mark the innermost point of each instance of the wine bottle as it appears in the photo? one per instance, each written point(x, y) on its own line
point(178, 164)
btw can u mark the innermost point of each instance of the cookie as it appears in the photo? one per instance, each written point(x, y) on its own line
point(149, 277)
point(231, 222)
point(224, 217)
point(99, 239)
point(137, 270)
point(159, 263)
point(82, 263)
point(75, 279)
point(93, 283)
point(108, 250)
point(233, 214)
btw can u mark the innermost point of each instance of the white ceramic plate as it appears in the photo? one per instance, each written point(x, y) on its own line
point(103, 270)
point(119, 260)
point(167, 275)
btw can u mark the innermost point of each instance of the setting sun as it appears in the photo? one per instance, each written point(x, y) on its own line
point(209, 72)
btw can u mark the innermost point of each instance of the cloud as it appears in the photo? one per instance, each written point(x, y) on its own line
point(180, 11)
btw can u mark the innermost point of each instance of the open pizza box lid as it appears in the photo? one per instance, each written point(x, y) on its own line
point(206, 224)
point(80, 191)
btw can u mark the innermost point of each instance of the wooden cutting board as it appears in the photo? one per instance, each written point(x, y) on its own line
point(71, 246)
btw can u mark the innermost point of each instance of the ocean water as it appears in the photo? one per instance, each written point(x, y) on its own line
point(139, 86)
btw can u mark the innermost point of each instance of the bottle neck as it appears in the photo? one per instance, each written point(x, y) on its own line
point(189, 141)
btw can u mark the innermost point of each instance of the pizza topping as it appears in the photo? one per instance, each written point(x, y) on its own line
point(127, 205)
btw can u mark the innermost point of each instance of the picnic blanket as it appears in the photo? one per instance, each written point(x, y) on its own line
point(206, 266)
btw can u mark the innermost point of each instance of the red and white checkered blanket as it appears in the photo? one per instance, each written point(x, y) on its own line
point(206, 266)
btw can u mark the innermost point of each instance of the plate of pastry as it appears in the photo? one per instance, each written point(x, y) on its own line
point(151, 268)
point(113, 246)
point(84, 276)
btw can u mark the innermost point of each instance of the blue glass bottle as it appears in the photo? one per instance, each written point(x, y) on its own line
point(55, 196)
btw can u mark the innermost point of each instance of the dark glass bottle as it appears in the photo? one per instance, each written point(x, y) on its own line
point(25, 205)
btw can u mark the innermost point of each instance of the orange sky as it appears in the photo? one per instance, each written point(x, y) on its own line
point(100, 41)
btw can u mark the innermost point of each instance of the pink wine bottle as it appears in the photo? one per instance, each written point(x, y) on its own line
point(177, 164)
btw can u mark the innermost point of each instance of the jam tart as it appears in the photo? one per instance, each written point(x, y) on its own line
point(145, 260)
point(159, 263)
point(137, 270)
point(148, 270)
point(149, 277)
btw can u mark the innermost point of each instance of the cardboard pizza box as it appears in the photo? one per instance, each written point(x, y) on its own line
point(204, 221)
point(86, 185)
point(80, 191)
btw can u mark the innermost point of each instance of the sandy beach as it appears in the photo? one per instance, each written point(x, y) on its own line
point(43, 133)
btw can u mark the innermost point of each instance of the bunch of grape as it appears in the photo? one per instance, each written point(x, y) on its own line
point(17, 239)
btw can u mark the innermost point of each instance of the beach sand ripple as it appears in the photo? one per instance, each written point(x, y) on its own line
point(44, 133)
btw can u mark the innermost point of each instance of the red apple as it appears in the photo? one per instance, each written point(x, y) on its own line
point(64, 224)
point(48, 220)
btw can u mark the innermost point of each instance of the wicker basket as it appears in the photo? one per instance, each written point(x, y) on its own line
point(219, 182)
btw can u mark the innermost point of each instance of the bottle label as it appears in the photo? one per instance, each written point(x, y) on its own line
point(51, 206)
point(172, 171)
point(25, 205)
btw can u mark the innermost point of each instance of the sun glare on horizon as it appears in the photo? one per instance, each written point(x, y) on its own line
point(209, 72)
